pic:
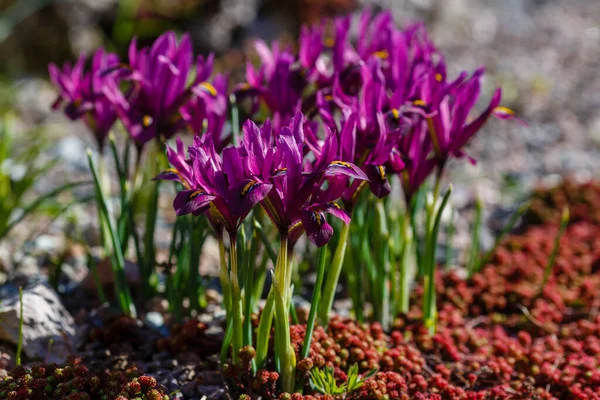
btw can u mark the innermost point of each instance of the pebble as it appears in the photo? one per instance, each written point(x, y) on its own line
point(154, 320)
point(45, 319)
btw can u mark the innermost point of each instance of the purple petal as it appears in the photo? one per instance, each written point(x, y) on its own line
point(192, 202)
point(345, 168)
point(170, 174)
point(317, 228)
point(378, 182)
point(247, 194)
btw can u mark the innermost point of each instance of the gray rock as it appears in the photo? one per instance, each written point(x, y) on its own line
point(154, 320)
point(45, 319)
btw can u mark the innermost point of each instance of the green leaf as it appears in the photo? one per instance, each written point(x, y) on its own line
point(38, 202)
point(509, 226)
point(118, 261)
point(552, 259)
point(475, 241)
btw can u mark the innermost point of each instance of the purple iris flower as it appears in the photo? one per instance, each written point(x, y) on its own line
point(310, 49)
point(363, 133)
point(278, 83)
point(372, 157)
point(449, 107)
point(299, 192)
point(375, 34)
point(206, 112)
point(82, 94)
point(219, 186)
point(159, 88)
point(411, 158)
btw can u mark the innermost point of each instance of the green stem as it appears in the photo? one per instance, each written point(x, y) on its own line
point(552, 259)
point(314, 304)
point(383, 251)
point(281, 286)
point(195, 287)
point(149, 249)
point(429, 302)
point(259, 280)
point(450, 231)
point(223, 275)
point(264, 329)
point(265, 240)
point(475, 246)
point(21, 319)
point(405, 258)
point(118, 263)
point(333, 276)
point(236, 301)
point(285, 351)
point(94, 270)
point(226, 341)
point(248, 286)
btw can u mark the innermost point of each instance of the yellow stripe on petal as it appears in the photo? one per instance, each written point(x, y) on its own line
point(196, 194)
point(439, 77)
point(504, 110)
point(395, 113)
point(382, 54)
point(341, 163)
point(147, 121)
point(219, 216)
point(271, 208)
point(248, 187)
point(209, 88)
point(419, 103)
point(434, 138)
point(295, 226)
point(318, 218)
point(174, 171)
point(361, 187)
point(381, 170)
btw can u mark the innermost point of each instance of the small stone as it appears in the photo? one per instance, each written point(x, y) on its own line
point(213, 296)
point(44, 319)
point(154, 320)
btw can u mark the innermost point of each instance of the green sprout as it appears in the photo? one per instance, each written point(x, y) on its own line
point(323, 380)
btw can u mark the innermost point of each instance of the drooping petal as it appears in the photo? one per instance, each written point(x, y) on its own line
point(317, 228)
point(505, 113)
point(378, 182)
point(345, 168)
point(170, 174)
point(192, 202)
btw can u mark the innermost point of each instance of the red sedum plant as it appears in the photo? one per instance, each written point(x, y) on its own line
point(74, 381)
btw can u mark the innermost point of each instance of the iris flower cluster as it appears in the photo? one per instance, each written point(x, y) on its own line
point(325, 124)
point(155, 94)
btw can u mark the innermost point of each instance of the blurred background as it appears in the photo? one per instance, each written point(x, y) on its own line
point(543, 53)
